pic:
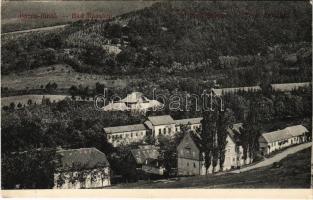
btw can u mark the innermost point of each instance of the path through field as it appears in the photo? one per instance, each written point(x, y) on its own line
point(275, 158)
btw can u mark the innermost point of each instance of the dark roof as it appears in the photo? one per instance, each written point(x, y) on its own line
point(79, 159)
point(127, 128)
point(161, 120)
point(235, 128)
point(188, 121)
point(197, 139)
point(145, 153)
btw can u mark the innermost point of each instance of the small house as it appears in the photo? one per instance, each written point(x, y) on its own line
point(82, 168)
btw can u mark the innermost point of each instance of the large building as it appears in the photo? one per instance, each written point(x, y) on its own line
point(134, 102)
point(154, 125)
point(191, 123)
point(190, 154)
point(161, 125)
point(125, 134)
point(82, 168)
point(276, 140)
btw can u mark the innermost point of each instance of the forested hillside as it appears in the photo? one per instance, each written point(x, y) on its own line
point(235, 39)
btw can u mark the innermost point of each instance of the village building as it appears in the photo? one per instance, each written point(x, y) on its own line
point(82, 168)
point(161, 125)
point(288, 87)
point(192, 123)
point(280, 139)
point(223, 91)
point(145, 160)
point(298, 134)
point(190, 155)
point(119, 135)
point(134, 102)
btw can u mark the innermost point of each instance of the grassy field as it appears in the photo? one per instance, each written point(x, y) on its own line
point(63, 75)
point(23, 99)
point(294, 173)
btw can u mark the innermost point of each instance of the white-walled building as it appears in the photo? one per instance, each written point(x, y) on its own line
point(134, 102)
point(161, 125)
point(192, 123)
point(82, 168)
point(190, 154)
point(276, 140)
point(125, 134)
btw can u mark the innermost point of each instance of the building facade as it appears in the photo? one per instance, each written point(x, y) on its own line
point(192, 123)
point(82, 168)
point(125, 134)
point(280, 139)
point(190, 156)
point(161, 125)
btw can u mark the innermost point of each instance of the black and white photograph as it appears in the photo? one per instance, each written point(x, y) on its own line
point(156, 95)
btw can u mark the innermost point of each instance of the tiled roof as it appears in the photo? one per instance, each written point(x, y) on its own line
point(284, 134)
point(296, 130)
point(276, 135)
point(127, 128)
point(188, 121)
point(161, 120)
point(142, 154)
point(221, 91)
point(84, 158)
point(284, 87)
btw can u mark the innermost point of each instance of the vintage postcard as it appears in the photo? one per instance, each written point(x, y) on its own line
point(118, 96)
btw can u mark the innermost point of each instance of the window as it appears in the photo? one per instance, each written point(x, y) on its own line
point(194, 165)
point(187, 164)
point(176, 129)
point(131, 135)
point(136, 134)
point(160, 131)
point(164, 131)
point(169, 130)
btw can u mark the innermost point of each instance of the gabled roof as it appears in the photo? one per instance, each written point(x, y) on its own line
point(222, 91)
point(161, 120)
point(296, 130)
point(142, 154)
point(149, 124)
point(79, 159)
point(276, 136)
point(285, 87)
point(127, 128)
point(188, 121)
point(134, 97)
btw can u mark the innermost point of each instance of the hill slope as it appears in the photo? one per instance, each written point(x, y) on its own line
point(179, 38)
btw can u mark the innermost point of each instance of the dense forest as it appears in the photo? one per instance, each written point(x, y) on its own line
point(174, 49)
